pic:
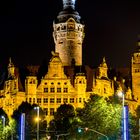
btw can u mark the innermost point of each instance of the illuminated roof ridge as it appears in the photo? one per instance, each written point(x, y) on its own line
point(69, 4)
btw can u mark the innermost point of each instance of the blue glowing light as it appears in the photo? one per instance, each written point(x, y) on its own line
point(125, 123)
point(22, 127)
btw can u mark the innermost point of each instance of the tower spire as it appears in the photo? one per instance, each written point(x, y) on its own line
point(69, 4)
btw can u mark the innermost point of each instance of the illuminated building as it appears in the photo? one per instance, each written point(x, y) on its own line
point(66, 79)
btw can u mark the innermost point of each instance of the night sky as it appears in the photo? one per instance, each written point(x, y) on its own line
point(111, 30)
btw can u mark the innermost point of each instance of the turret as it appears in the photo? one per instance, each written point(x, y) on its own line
point(135, 72)
point(11, 69)
point(102, 69)
point(80, 83)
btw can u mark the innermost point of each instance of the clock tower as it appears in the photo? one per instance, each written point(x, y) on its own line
point(69, 34)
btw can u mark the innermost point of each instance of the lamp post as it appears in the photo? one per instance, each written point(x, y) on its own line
point(3, 121)
point(121, 94)
point(37, 108)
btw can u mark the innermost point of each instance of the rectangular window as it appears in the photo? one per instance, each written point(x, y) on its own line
point(45, 100)
point(38, 100)
point(52, 89)
point(58, 89)
point(80, 100)
point(58, 100)
point(30, 100)
point(83, 99)
point(33, 100)
point(45, 89)
point(51, 100)
point(65, 90)
point(51, 111)
point(65, 100)
point(46, 111)
point(71, 100)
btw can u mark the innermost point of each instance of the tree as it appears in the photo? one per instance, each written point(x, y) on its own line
point(135, 124)
point(30, 123)
point(63, 119)
point(7, 126)
point(100, 115)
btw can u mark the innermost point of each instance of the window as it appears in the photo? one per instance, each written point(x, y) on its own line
point(33, 100)
point(58, 89)
point(83, 99)
point(52, 89)
point(51, 100)
point(65, 83)
point(30, 100)
point(65, 90)
point(80, 100)
point(45, 100)
point(38, 100)
point(45, 89)
point(71, 100)
point(104, 90)
point(51, 111)
point(46, 111)
point(65, 100)
point(58, 100)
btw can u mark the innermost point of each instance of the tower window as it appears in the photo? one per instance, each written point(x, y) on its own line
point(137, 70)
point(58, 28)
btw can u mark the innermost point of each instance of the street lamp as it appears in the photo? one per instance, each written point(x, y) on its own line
point(121, 94)
point(3, 121)
point(37, 108)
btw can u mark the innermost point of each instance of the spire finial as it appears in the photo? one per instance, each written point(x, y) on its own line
point(104, 61)
point(10, 62)
point(69, 4)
